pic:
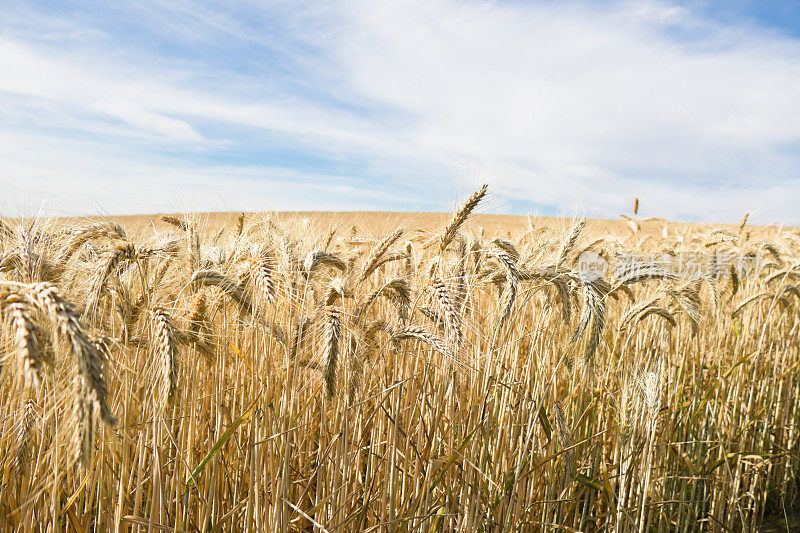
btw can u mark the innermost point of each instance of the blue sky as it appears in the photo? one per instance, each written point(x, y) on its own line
point(562, 107)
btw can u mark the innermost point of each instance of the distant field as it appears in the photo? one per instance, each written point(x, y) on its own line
point(365, 221)
point(370, 371)
point(386, 221)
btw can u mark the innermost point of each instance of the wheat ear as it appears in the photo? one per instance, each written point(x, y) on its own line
point(262, 271)
point(112, 260)
point(240, 224)
point(448, 308)
point(569, 244)
point(80, 236)
point(165, 346)
point(461, 216)
point(508, 256)
point(375, 255)
point(212, 278)
point(565, 438)
point(333, 332)
point(421, 334)
point(317, 257)
point(396, 289)
point(91, 362)
point(175, 222)
point(90, 382)
point(15, 309)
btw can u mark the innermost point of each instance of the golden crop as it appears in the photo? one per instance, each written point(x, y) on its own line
point(277, 376)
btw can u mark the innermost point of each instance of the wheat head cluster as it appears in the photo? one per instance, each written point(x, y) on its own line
point(268, 375)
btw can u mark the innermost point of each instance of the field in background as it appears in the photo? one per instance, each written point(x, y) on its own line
point(388, 221)
point(397, 372)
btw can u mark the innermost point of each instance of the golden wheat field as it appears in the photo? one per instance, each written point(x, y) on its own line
point(398, 372)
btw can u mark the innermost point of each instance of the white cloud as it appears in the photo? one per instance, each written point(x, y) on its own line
point(96, 178)
point(562, 104)
point(138, 116)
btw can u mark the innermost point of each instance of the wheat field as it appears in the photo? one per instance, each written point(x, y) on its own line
point(299, 372)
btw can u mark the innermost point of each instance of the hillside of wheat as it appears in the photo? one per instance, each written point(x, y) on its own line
point(294, 372)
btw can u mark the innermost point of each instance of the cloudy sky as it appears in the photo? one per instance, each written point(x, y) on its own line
point(562, 107)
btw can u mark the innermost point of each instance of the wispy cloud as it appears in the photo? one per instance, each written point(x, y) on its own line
point(379, 105)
